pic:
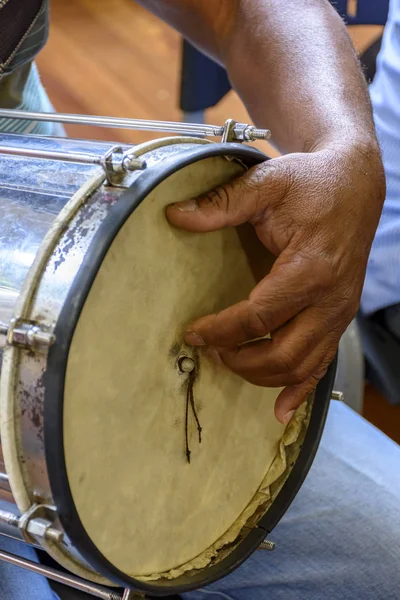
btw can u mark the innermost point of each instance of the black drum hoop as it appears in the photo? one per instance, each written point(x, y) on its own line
point(54, 381)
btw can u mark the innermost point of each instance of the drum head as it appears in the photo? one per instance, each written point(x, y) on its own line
point(127, 413)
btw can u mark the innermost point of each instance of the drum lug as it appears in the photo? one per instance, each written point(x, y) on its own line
point(228, 134)
point(34, 524)
point(28, 335)
point(233, 131)
point(118, 163)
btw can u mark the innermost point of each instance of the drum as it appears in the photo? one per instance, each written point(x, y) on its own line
point(125, 454)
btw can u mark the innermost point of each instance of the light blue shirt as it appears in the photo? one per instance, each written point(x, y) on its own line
point(382, 284)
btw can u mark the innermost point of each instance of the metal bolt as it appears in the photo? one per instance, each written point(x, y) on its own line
point(339, 396)
point(267, 545)
point(186, 364)
point(35, 336)
point(35, 527)
point(133, 163)
point(42, 528)
point(54, 535)
point(252, 133)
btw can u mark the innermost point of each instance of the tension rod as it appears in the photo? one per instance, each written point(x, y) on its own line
point(237, 131)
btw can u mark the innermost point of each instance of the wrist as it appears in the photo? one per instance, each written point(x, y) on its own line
point(357, 165)
point(361, 154)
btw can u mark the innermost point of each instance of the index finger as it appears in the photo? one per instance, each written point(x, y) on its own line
point(281, 295)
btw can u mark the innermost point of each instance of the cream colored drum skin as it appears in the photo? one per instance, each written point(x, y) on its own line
point(93, 417)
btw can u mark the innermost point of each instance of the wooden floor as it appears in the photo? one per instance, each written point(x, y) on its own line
point(111, 57)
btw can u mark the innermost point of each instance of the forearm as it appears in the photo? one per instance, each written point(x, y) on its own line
point(291, 62)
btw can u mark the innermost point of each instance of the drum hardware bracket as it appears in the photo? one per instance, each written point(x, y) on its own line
point(339, 396)
point(76, 583)
point(26, 335)
point(33, 524)
point(117, 163)
point(233, 131)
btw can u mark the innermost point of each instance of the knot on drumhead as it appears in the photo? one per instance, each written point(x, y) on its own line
point(186, 364)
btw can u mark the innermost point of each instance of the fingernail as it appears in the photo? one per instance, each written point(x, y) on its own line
point(288, 416)
point(194, 339)
point(187, 206)
point(214, 355)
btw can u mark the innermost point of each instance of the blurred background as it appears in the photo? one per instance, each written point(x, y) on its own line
point(111, 57)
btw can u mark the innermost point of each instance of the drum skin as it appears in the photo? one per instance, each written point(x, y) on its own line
point(123, 385)
point(77, 257)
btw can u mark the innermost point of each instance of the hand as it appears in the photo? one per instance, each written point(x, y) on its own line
point(317, 213)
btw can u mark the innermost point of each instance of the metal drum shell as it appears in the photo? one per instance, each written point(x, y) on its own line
point(61, 182)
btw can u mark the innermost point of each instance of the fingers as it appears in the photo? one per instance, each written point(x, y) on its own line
point(293, 396)
point(285, 292)
point(265, 364)
point(244, 199)
point(271, 364)
point(278, 359)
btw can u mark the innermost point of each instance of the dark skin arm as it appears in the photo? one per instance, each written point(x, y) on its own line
point(316, 208)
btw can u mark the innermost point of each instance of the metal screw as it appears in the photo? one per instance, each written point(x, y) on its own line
point(54, 535)
point(339, 396)
point(35, 336)
point(252, 134)
point(267, 545)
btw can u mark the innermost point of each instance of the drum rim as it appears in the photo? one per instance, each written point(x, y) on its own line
point(55, 379)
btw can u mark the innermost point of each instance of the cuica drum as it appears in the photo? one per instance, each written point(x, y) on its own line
point(126, 455)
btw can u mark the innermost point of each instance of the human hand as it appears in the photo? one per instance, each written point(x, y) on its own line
point(317, 213)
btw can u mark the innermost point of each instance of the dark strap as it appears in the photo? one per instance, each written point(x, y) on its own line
point(23, 32)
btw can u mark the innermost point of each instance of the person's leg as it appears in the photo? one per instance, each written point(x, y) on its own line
point(18, 584)
point(340, 538)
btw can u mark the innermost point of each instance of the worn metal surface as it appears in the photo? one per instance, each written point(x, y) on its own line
point(33, 192)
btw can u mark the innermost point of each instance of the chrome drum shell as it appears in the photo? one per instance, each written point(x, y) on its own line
point(51, 211)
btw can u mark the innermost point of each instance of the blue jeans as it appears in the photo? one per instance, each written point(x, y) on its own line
point(340, 540)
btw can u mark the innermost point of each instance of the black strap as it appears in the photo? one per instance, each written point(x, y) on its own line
point(23, 31)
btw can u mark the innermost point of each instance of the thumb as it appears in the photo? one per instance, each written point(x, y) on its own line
point(243, 199)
